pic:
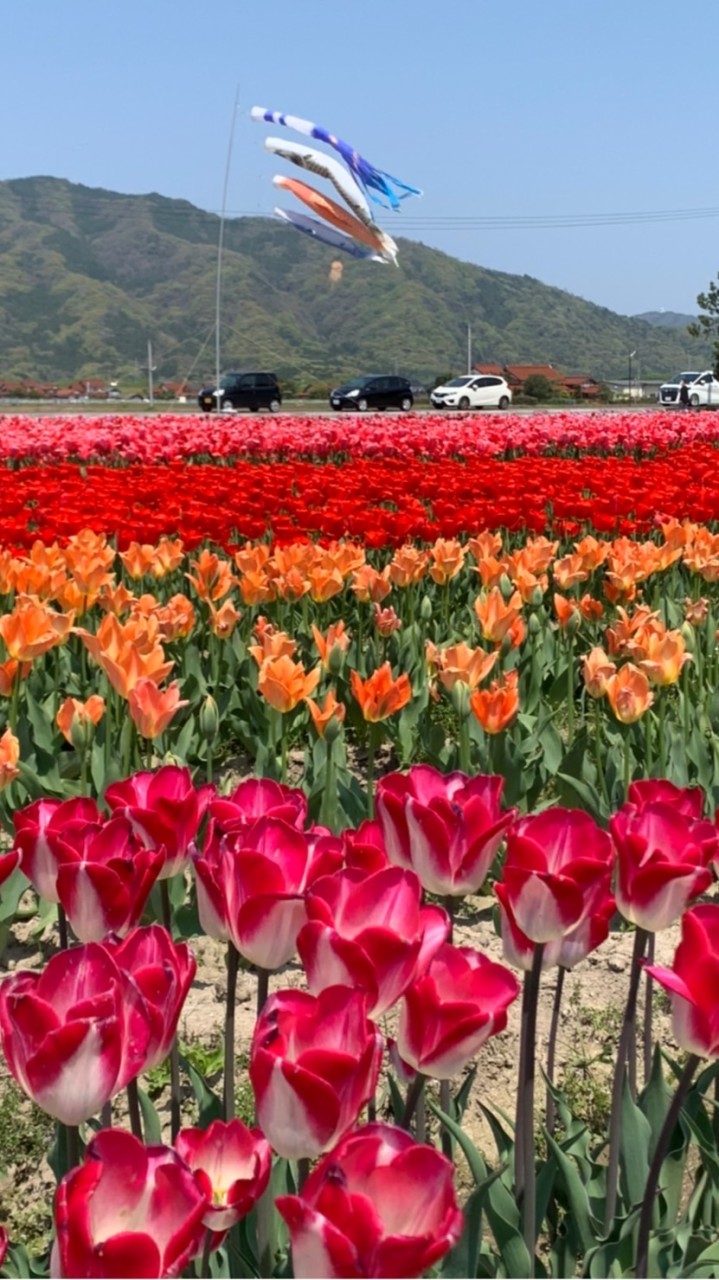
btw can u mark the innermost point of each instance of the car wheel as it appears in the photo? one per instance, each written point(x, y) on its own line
point(464, 403)
point(694, 401)
point(227, 404)
point(504, 402)
point(406, 404)
point(362, 406)
point(275, 406)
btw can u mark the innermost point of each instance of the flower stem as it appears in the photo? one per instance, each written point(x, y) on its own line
point(62, 926)
point(206, 1254)
point(229, 1076)
point(552, 1048)
point(327, 817)
point(372, 744)
point(660, 1151)
point(526, 1103)
point(620, 1067)
point(174, 1054)
point(570, 690)
point(133, 1106)
point(414, 1093)
point(648, 1035)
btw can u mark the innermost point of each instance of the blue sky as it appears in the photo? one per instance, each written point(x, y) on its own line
point(596, 112)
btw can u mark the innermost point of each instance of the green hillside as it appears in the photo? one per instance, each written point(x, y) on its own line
point(88, 276)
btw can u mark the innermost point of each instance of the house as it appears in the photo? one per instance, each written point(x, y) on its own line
point(578, 386)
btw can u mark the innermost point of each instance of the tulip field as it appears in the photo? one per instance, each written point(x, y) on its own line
point(405, 723)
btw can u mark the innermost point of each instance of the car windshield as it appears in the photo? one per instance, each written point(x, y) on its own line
point(460, 382)
point(683, 377)
point(357, 384)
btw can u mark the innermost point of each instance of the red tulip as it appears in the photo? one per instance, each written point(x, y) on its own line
point(693, 981)
point(555, 862)
point(447, 828)
point(37, 828)
point(364, 848)
point(380, 1204)
point(104, 877)
point(370, 933)
point(664, 854)
point(251, 886)
point(74, 1034)
point(447, 1015)
point(3, 1244)
point(259, 798)
point(127, 1210)
point(313, 1066)
point(568, 950)
point(231, 1164)
point(8, 863)
point(686, 800)
point(165, 810)
point(163, 971)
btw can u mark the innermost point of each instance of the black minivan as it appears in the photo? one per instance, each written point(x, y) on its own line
point(375, 391)
point(243, 391)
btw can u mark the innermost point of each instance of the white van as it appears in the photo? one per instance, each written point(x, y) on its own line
point(703, 390)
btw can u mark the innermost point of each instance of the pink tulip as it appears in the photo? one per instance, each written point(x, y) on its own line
point(447, 828)
point(380, 1204)
point(370, 933)
point(251, 886)
point(448, 1014)
point(165, 810)
point(555, 861)
point(687, 800)
point(127, 1210)
point(664, 854)
point(104, 877)
point(364, 849)
point(313, 1065)
point(163, 972)
point(231, 1164)
point(259, 798)
point(8, 863)
point(693, 982)
point(3, 1244)
point(37, 828)
point(74, 1034)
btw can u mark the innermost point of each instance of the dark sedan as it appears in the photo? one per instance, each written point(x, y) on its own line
point(375, 391)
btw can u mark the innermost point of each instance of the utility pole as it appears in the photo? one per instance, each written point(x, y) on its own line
point(149, 370)
point(469, 348)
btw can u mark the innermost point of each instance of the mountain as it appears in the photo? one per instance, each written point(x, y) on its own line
point(667, 319)
point(88, 277)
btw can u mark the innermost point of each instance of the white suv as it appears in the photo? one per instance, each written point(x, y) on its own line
point(703, 390)
point(473, 391)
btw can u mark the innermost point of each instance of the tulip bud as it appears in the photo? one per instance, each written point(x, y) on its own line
point(689, 637)
point(536, 597)
point(459, 697)
point(82, 732)
point(507, 588)
point(425, 609)
point(573, 623)
point(534, 624)
point(335, 660)
point(209, 719)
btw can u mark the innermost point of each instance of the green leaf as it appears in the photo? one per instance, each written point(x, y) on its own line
point(582, 1227)
point(43, 732)
point(578, 793)
point(151, 1126)
point(633, 1148)
point(461, 1262)
point(474, 1158)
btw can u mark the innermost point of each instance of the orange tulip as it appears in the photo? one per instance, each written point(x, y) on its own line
point(496, 707)
point(590, 608)
point(168, 556)
point(592, 551)
point(485, 545)
point(331, 712)
point(346, 556)
point(490, 570)
point(666, 655)
point(115, 599)
point(629, 693)
point(9, 757)
point(596, 671)
point(569, 571)
point(10, 671)
point(75, 717)
point(448, 555)
point(293, 584)
point(284, 683)
point(256, 587)
point(386, 620)
point(176, 618)
point(567, 611)
point(380, 695)
point(152, 708)
point(138, 559)
point(335, 638)
point(458, 664)
point(494, 616)
point(224, 620)
point(325, 581)
point(408, 566)
point(128, 652)
point(371, 586)
point(213, 577)
point(273, 643)
point(32, 629)
point(252, 557)
point(696, 612)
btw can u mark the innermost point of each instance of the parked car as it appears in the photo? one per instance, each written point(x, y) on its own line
point(373, 391)
point(473, 391)
point(242, 391)
point(703, 389)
